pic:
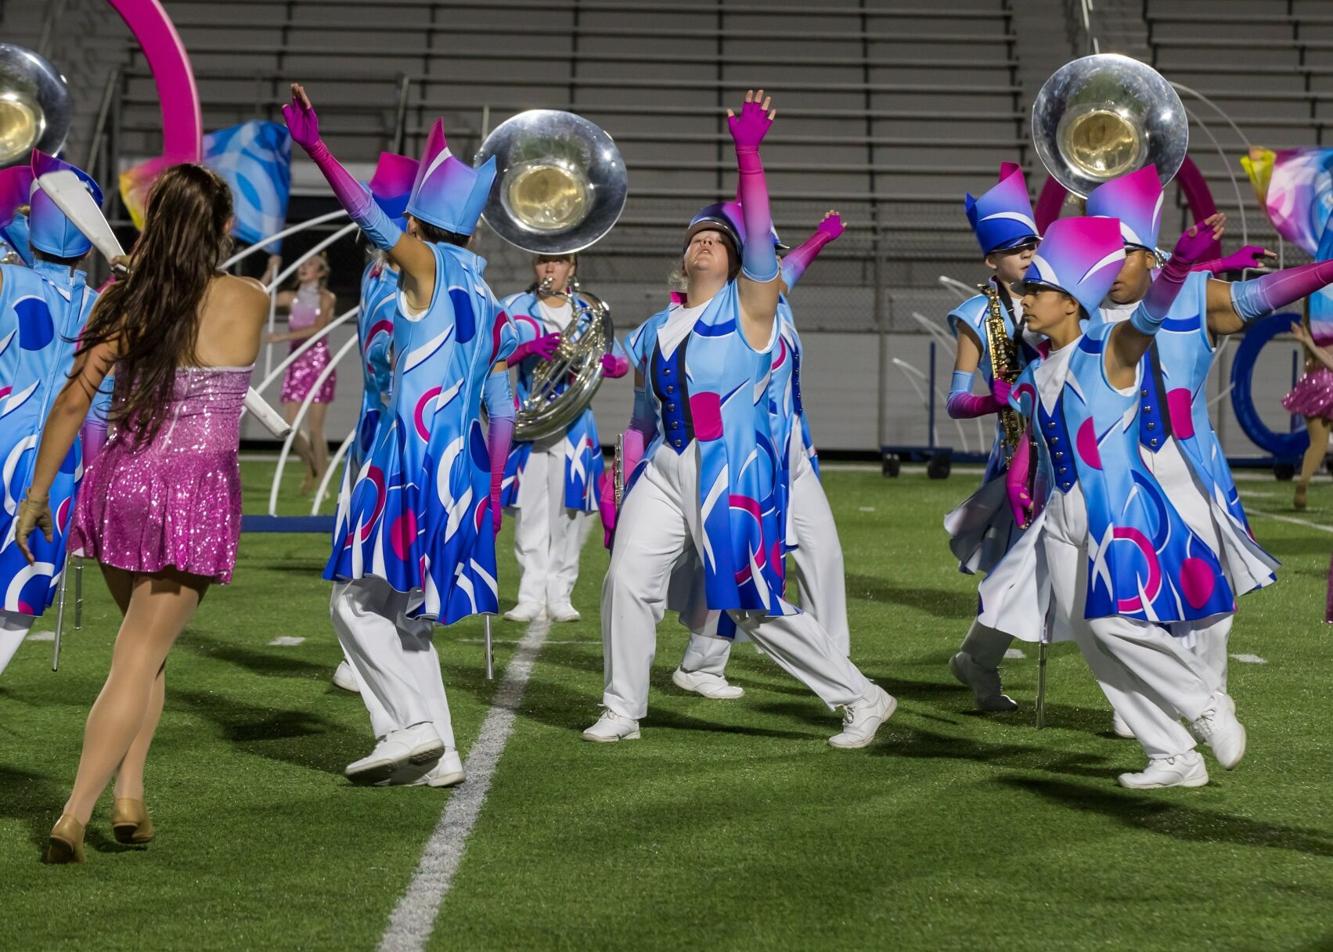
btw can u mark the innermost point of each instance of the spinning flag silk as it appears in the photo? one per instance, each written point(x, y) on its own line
point(1295, 187)
point(255, 159)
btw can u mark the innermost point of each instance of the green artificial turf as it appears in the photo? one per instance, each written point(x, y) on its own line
point(730, 824)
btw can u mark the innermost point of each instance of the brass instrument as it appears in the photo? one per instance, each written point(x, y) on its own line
point(560, 186)
point(35, 107)
point(1099, 117)
point(1003, 352)
point(564, 385)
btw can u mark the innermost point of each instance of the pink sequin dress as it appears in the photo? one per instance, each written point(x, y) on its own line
point(176, 500)
point(305, 370)
point(1313, 394)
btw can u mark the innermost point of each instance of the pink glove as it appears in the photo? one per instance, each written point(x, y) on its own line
point(302, 120)
point(1193, 243)
point(614, 367)
point(831, 227)
point(749, 128)
point(1016, 483)
point(1000, 389)
point(543, 347)
point(606, 507)
point(1250, 256)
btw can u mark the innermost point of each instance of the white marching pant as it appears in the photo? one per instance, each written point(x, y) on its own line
point(658, 526)
point(14, 627)
point(1150, 678)
point(393, 656)
point(820, 575)
point(548, 537)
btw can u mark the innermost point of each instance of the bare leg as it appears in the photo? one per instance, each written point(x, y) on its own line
point(299, 443)
point(159, 609)
point(319, 446)
point(1317, 427)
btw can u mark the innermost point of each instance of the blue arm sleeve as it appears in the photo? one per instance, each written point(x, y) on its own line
point(498, 396)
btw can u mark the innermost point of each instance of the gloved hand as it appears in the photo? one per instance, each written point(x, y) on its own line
point(1016, 483)
point(606, 507)
point(749, 128)
point(1250, 256)
point(543, 347)
point(831, 226)
point(1000, 390)
point(614, 366)
point(34, 513)
point(302, 120)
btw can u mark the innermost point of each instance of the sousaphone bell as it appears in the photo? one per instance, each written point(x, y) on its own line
point(1100, 117)
point(35, 108)
point(560, 186)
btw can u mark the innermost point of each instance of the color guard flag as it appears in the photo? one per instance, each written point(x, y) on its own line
point(255, 159)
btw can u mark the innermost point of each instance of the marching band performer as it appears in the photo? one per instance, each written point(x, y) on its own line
point(811, 534)
point(1176, 437)
point(989, 329)
point(426, 507)
point(1108, 553)
point(390, 186)
point(708, 479)
point(551, 482)
point(162, 508)
point(43, 309)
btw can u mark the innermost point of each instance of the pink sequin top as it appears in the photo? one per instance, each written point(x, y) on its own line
point(176, 500)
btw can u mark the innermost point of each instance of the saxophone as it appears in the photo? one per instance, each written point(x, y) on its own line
point(1003, 353)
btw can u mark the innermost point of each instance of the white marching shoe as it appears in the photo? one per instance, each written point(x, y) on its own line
point(563, 611)
point(712, 686)
point(418, 744)
point(525, 611)
point(1180, 770)
point(862, 718)
point(984, 682)
point(344, 678)
point(1119, 727)
point(447, 773)
point(1218, 727)
point(611, 727)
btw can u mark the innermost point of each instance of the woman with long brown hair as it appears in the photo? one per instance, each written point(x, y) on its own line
point(161, 506)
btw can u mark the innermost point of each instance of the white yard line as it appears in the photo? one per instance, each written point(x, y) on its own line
point(413, 918)
point(1293, 520)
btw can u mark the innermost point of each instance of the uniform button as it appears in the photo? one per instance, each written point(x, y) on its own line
point(675, 424)
point(1144, 392)
point(671, 388)
point(1050, 424)
point(1059, 455)
point(1055, 441)
point(1147, 408)
point(1152, 425)
point(676, 444)
point(1153, 441)
point(670, 408)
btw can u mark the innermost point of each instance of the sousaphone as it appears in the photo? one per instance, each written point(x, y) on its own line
point(35, 109)
point(560, 186)
point(1100, 117)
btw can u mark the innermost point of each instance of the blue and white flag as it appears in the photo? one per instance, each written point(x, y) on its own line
point(255, 159)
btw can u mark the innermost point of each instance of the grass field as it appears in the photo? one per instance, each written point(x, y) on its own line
point(729, 825)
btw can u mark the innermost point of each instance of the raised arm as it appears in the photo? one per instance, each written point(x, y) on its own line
point(759, 287)
point(1321, 354)
point(1232, 306)
point(1130, 340)
point(412, 255)
point(798, 259)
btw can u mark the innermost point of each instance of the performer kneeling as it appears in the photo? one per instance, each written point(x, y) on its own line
point(423, 515)
point(708, 479)
point(552, 481)
point(1109, 554)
